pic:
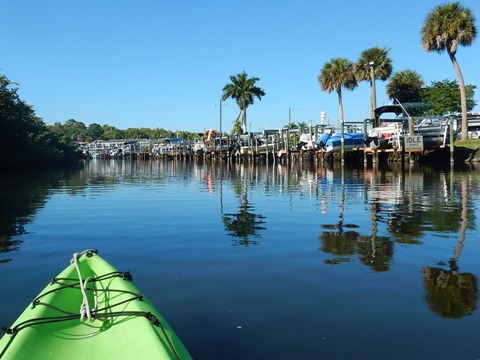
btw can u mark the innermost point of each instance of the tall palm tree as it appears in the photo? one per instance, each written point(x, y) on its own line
point(405, 86)
point(243, 90)
point(445, 28)
point(377, 59)
point(338, 73)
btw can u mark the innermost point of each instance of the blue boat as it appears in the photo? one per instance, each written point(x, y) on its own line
point(352, 141)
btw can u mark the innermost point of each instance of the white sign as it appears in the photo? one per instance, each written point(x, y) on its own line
point(323, 115)
point(414, 143)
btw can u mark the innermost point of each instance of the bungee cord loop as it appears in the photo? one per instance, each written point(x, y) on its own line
point(85, 309)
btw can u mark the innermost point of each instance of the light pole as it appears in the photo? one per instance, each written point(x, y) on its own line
point(220, 108)
point(373, 99)
point(220, 124)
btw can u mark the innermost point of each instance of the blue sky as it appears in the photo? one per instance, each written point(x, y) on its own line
point(163, 64)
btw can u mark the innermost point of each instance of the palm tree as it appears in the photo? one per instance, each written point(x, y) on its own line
point(338, 73)
point(377, 59)
point(405, 86)
point(243, 90)
point(303, 127)
point(237, 127)
point(445, 28)
point(291, 125)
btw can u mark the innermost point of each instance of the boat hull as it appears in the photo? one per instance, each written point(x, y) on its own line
point(119, 328)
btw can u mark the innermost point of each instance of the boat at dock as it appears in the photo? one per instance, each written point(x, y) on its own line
point(209, 142)
point(351, 141)
point(307, 142)
point(257, 144)
point(393, 123)
point(171, 146)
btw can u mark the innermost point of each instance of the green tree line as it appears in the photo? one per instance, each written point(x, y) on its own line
point(77, 131)
point(24, 137)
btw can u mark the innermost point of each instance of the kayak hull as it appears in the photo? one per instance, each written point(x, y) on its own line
point(122, 325)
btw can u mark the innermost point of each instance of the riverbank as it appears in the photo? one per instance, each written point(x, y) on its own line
point(472, 145)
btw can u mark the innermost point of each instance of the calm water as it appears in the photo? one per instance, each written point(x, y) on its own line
point(257, 262)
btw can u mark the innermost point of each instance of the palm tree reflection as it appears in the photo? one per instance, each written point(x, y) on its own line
point(373, 250)
point(244, 225)
point(449, 293)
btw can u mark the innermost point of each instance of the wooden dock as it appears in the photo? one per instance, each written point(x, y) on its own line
point(271, 154)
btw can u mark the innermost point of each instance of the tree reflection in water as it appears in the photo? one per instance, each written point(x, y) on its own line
point(373, 250)
point(244, 225)
point(6, 246)
point(21, 196)
point(376, 253)
point(450, 293)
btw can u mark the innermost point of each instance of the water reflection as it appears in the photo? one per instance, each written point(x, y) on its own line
point(448, 292)
point(243, 226)
point(415, 202)
point(348, 250)
point(403, 205)
point(375, 252)
point(372, 250)
point(22, 195)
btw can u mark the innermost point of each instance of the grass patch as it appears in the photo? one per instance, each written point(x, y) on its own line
point(468, 143)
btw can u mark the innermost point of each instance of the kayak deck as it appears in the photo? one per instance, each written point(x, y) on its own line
point(109, 318)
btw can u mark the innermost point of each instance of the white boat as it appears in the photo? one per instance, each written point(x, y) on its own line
point(171, 146)
point(389, 132)
point(307, 142)
point(257, 145)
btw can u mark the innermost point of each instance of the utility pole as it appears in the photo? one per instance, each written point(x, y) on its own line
point(220, 108)
point(220, 124)
point(288, 132)
point(373, 104)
